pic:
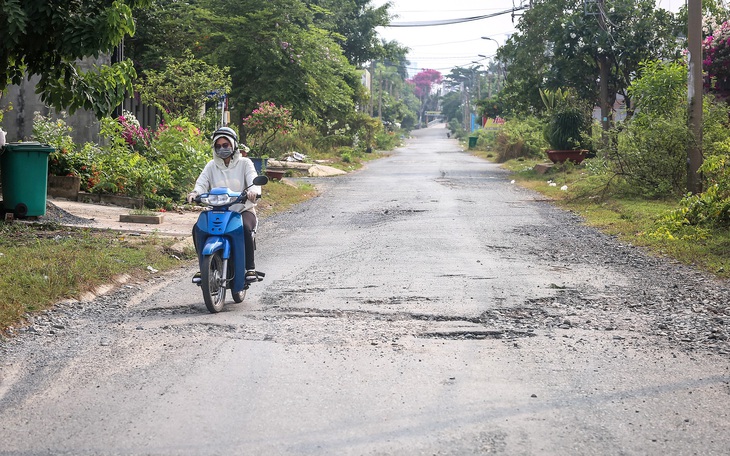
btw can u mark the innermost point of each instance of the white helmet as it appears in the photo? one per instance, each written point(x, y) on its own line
point(230, 135)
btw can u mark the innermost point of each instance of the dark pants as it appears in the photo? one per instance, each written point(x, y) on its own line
point(249, 224)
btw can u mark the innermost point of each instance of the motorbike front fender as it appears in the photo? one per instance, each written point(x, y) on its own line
point(215, 243)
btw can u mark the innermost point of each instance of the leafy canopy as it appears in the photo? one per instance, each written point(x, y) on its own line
point(352, 25)
point(184, 86)
point(560, 43)
point(49, 38)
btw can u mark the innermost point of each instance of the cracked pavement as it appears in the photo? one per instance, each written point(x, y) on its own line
point(423, 305)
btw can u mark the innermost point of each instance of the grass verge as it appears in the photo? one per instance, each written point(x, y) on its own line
point(43, 264)
point(281, 196)
point(613, 210)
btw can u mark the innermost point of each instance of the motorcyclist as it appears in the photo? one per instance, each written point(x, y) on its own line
point(229, 169)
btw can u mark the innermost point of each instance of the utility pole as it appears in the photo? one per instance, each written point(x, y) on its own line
point(380, 96)
point(694, 95)
point(465, 95)
point(603, 70)
point(478, 79)
point(479, 86)
point(372, 76)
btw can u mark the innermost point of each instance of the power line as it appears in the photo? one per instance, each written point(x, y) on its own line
point(445, 57)
point(455, 21)
point(445, 43)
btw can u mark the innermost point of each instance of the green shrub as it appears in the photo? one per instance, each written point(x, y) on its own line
point(126, 172)
point(520, 138)
point(486, 139)
point(301, 139)
point(568, 119)
point(184, 150)
point(84, 161)
point(456, 130)
point(57, 134)
point(651, 149)
point(263, 125)
point(567, 128)
point(347, 154)
point(651, 155)
point(707, 210)
point(386, 140)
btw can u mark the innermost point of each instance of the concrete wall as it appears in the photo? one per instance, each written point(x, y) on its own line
point(18, 123)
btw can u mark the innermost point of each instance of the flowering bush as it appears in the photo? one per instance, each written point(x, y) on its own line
point(134, 135)
point(56, 134)
point(264, 124)
point(161, 167)
point(126, 172)
point(716, 62)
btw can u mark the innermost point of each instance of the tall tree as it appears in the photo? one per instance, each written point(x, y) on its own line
point(393, 53)
point(393, 100)
point(559, 43)
point(166, 30)
point(354, 23)
point(184, 86)
point(49, 38)
point(275, 51)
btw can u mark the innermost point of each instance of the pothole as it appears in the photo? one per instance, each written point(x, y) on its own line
point(477, 334)
point(395, 300)
point(210, 326)
point(383, 216)
point(175, 310)
point(394, 212)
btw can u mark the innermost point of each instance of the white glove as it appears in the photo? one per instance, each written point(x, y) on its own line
point(251, 195)
point(191, 196)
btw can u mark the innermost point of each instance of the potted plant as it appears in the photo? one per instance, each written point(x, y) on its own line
point(569, 122)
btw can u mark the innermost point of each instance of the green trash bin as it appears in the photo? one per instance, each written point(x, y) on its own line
point(473, 141)
point(24, 174)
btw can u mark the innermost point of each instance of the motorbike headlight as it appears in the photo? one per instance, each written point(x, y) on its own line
point(218, 200)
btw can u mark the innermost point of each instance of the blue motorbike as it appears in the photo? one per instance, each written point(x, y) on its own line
point(221, 249)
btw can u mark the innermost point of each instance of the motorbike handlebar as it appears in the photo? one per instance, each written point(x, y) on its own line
point(258, 180)
point(241, 199)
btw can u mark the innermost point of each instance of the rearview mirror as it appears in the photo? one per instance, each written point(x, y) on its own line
point(260, 180)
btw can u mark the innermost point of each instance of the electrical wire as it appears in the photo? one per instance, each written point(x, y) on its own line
point(453, 21)
point(445, 43)
point(606, 21)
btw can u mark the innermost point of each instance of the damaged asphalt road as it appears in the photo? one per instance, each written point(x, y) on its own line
point(423, 305)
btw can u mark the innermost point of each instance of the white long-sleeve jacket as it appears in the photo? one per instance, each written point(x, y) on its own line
point(238, 175)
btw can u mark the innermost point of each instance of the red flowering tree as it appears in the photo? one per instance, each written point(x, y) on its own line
point(423, 84)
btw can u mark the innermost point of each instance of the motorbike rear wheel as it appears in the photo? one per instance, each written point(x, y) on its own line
point(212, 283)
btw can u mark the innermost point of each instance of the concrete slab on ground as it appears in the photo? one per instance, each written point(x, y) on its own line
point(108, 217)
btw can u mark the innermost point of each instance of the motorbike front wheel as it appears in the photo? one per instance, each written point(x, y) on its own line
point(239, 297)
point(212, 283)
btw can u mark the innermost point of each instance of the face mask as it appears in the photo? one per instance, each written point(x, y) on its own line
point(224, 152)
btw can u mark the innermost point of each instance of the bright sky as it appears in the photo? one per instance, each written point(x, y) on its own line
point(443, 47)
